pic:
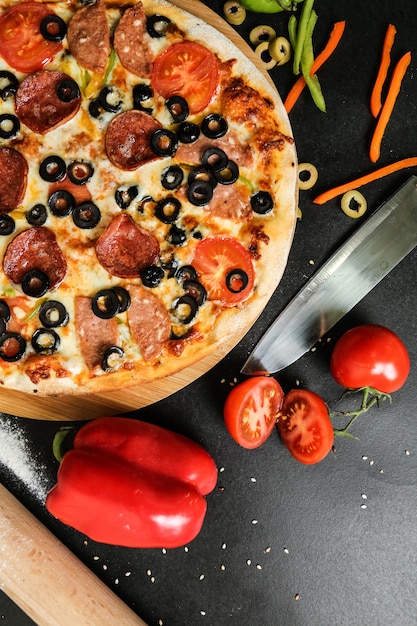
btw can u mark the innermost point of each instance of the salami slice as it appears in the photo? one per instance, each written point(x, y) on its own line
point(95, 334)
point(128, 139)
point(130, 42)
point(148, 321)
point(46, 100)
point(13, 178)
point(124, 248)
point(35, 249)
point(89, 37)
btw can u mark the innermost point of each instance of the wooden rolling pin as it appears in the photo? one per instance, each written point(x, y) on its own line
point(46, 580)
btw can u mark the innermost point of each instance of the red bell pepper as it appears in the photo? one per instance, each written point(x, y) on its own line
point(143, 492)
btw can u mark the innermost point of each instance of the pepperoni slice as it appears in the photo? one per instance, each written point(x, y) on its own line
point(95, 334)
point(46, 100)
point(13, 178)
point(124, 248)
point(89, 37)
point(148, 321)
point(35, 249)
point(128, 139)
point(130, 42)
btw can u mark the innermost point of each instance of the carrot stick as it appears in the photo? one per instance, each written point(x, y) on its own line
point(364, 180)
point(375, 103)
point(296, 90)
point(388, 106)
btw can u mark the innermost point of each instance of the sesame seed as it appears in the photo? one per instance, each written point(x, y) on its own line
point(365, 458)
point(202, 612)
point(148, 572)
point(253, 480)
point(105, 567)
point(258, 566)
point(364, 496)
point(222, 567)
point(363, 506)
point(371, 462)
point(407, 452)
point(186, 549)
point(248, 562)
point(152, 579)
point(267, 550)
point(254, 521)
point(128, 573)
point(286, 551)
point(221, 469)
point(224, 546)
point(116, 581)
point(96, 558)
point(297, 596)
point(201, 577)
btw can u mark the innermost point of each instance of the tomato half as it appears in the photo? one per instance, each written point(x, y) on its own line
point(305, 427)
point(22, 45)
point(370, 356)
point(251, 410)
point(225, 269)
point(186, 69)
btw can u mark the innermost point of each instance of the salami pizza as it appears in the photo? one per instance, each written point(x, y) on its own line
point(147, 193)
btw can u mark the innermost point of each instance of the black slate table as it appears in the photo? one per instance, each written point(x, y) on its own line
point(282, 543)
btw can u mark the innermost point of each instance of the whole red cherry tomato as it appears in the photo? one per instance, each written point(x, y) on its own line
point(304, 426)
point(370, 356)
point(251, 410)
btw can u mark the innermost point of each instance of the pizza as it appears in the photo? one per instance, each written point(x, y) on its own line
point(147, 193)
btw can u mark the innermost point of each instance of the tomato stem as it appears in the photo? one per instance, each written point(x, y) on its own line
point(370, 397)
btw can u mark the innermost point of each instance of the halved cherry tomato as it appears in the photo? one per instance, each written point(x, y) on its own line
point(21, 43)
point(304, 426)
point(251, 410)
point(186, 69)
point(370, 356)
point(225, 269)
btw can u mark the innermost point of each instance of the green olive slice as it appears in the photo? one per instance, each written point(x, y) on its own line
point(234, 12)
point(280, 50)
point(260, 34)
point(262, 50)
point(354, 204)
point(307, 176)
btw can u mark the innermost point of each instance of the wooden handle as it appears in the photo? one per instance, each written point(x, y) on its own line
point(46, 580)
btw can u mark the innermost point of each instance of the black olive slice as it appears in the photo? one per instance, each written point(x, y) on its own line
point(178, 108)
point(86, 215)
point(228, 175)
point(110, 358)
point(124, 298)
point(176, 236)
point(37, 215)
point(157, 25)
point(196, 290)
point(52, 314)
point(152, 275)
point(68, 90)
point(45, 341)
point(8, 84)
point(200, 192)
point(185, 309)
point(12, 347)
point(9, 126)
point(53, 28)
point(187, 132)
point(236, 280)
point(147, 205)
point(262, 202)
point(105, 304)
point(80, 172)
point(214, 159)
point(7, 225)
point(61, 203)
point(201, 173)
point(142, 93)
point(164, 142)
point(186, 273)
point(168, 209)
point(172, 177)
point(124, 196)
point(52, 169)
point(214, 126)
point(108, 99)
point(4, 311)
point(35, 283)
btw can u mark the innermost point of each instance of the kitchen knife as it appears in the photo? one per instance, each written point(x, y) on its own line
point(375, 248)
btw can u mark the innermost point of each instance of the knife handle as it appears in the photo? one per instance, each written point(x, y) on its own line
point(46, 580)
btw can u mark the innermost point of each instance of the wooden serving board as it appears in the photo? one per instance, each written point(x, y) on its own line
point(67, 408)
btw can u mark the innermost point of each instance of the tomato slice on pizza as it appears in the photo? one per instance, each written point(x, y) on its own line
point(22, 44)
point(189, 70)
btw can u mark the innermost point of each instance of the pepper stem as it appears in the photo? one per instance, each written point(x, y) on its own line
point(370, 397)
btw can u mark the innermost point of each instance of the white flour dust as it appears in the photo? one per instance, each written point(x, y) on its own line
point(18, 457)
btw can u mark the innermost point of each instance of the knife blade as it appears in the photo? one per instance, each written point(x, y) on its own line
point(367, 256)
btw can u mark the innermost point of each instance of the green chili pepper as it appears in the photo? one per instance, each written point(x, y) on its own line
point(307, 60)
point(301, 34)
point(269, 6)
point(292, 30)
